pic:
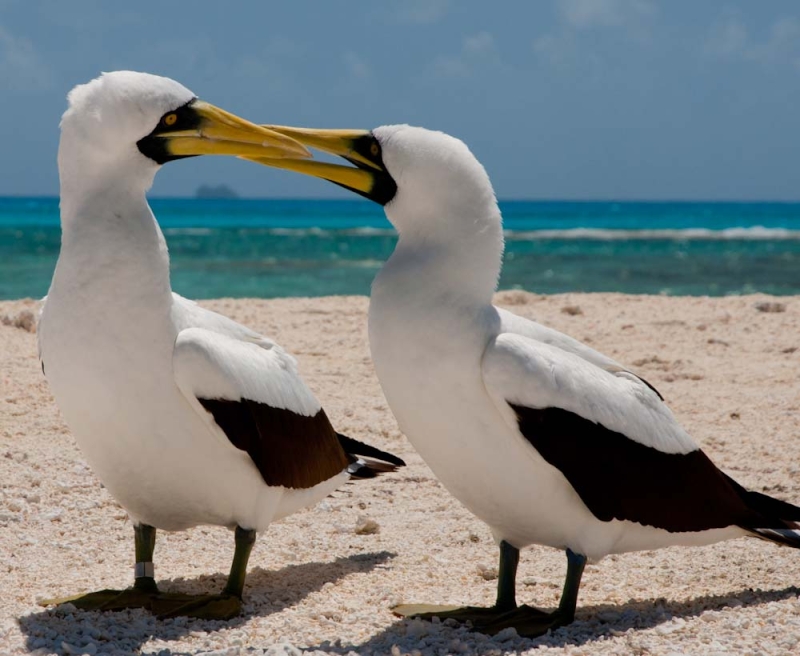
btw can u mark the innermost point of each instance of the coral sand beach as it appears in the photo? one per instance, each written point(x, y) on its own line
point(324, 579)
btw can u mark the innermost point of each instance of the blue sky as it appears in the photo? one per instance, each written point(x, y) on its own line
point(572, 99)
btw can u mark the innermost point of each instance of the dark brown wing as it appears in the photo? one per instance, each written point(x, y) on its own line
point(618, 478)
point(289, 449)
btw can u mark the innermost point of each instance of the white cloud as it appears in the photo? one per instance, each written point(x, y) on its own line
point(90, 15)
point(729, 38)
point(783, 41)
point(421, 12)
point(450, 66)
point(21, 67)
point(476, 50)
point(564, 50)
point(589, 14)
point(272, 67)
point(555, 49)
point(570, 42)
point(480, 43)
point(358, 66)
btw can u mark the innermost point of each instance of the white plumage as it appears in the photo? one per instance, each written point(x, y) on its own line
point(543, 438)
point(463, 378)
point(134, 367)
point(449, 374)
point(216, 365)
point(527, 372)
point(119, 347)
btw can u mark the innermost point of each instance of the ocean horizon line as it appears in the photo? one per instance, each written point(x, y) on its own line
point(361, 201)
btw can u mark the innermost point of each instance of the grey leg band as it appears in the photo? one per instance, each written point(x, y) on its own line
point(144, 570)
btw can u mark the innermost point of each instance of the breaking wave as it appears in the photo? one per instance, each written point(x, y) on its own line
point(754, 233)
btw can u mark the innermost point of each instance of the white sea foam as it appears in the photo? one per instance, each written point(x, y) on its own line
point(754, 233)
point(299, 232)
point(365, 231)
point(368, 231)
point(189, 231)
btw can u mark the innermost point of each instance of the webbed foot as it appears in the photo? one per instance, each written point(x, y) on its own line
point(208, 607)
point(473, 614)
point(162, 604)
point(529, 622)
point(107, 600)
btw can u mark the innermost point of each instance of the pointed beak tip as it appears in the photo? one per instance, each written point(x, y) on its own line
point(304, 152)
point(287, 146)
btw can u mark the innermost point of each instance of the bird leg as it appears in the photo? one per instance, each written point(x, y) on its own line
point(245, 539)
point(569, 596)
point(145, 592)
point(222, 606)
point(145, 544)
point(144, 587)
point(506, 596)
point(507, 577)
point(532, 622)
point(528, 621)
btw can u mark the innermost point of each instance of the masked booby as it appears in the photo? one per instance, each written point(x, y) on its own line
point(543, 438)
point(186, 416)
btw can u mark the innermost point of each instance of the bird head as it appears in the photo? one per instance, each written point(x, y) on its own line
point(422, 177)
point(130, 123)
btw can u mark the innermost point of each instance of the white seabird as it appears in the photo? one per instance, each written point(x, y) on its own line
point(186, 416)
point(543, 438)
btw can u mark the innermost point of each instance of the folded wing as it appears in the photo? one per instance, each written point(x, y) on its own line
point(612, 437)
point(256, 398)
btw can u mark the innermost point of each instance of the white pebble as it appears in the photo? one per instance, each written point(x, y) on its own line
point(366, 526)
point(283, 649)
point(486, 573)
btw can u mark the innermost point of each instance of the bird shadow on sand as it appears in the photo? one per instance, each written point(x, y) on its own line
point(266, 592)
point(593, 623)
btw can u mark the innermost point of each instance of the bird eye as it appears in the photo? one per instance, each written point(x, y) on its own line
point(374, 149)
point(170, 119)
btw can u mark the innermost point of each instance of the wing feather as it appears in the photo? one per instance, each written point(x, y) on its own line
point(212, 365)
point(529, 373)
point(257, 400)
point(612, 438)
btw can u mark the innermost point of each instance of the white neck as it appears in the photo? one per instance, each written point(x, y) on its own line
point(112, 245)
point(458, 260)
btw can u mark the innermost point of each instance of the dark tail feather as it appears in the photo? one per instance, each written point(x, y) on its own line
point(368, 468)
point(786, 536)
point(767, 505)
point(366, 461)
point(354, 447)
point(782, 518)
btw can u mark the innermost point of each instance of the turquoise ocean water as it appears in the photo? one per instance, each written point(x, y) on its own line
point(267, 248)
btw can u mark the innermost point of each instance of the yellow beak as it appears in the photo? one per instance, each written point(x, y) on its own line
point(200, 128)
point(368, 177)
point(345, 143)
